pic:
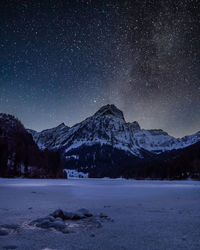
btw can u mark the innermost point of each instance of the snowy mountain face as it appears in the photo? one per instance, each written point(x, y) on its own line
point(158, 141)
point(48, 138)
point(108, 127)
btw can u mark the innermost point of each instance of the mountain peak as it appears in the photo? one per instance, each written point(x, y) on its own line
point(134, 125)
point(110, 109)
point(61, 125)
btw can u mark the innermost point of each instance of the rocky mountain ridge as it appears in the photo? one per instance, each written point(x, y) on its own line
point(108, 127)
point(103, 145)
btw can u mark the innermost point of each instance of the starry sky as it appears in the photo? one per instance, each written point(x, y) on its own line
point(61, 60)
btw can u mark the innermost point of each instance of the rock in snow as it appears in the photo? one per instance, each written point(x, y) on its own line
point(58, 218)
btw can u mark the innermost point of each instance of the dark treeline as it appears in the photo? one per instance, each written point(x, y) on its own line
point(20, 156)
point(101, 161)
point(178, 164)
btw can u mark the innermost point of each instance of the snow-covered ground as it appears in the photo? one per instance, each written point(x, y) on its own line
point(147, 214)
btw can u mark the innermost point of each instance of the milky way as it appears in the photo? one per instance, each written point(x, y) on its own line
point(62, 60)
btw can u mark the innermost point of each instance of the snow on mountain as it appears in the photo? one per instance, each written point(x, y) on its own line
point(158, 141)
point(108, 127)
point(47, 138)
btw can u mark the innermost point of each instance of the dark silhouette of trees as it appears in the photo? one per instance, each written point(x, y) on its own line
point(20, 156)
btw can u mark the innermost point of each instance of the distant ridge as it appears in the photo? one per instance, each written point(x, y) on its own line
point(105, 144)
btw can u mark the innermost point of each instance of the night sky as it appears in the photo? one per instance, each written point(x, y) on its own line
point(61, 60)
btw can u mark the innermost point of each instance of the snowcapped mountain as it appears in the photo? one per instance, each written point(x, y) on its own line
point(108, 127)
point(102, 145)
point(48, 138)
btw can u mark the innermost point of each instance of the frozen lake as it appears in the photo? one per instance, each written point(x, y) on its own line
point(147, 214)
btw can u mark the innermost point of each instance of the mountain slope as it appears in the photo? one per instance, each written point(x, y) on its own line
point(106, 145)
point(108, 127)
point(47, 138)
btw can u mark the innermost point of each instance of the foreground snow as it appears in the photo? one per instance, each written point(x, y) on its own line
point(147, 214)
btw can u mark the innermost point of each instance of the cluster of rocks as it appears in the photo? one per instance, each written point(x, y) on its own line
point(79, 214)
point(58, 218)
point(65, 222)
point(8, 228)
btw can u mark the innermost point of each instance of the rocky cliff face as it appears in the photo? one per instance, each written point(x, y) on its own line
point(49, 137)
point(106, 145)
point(108, 127)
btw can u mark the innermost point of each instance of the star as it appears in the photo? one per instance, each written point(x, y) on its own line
point(62, 59)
